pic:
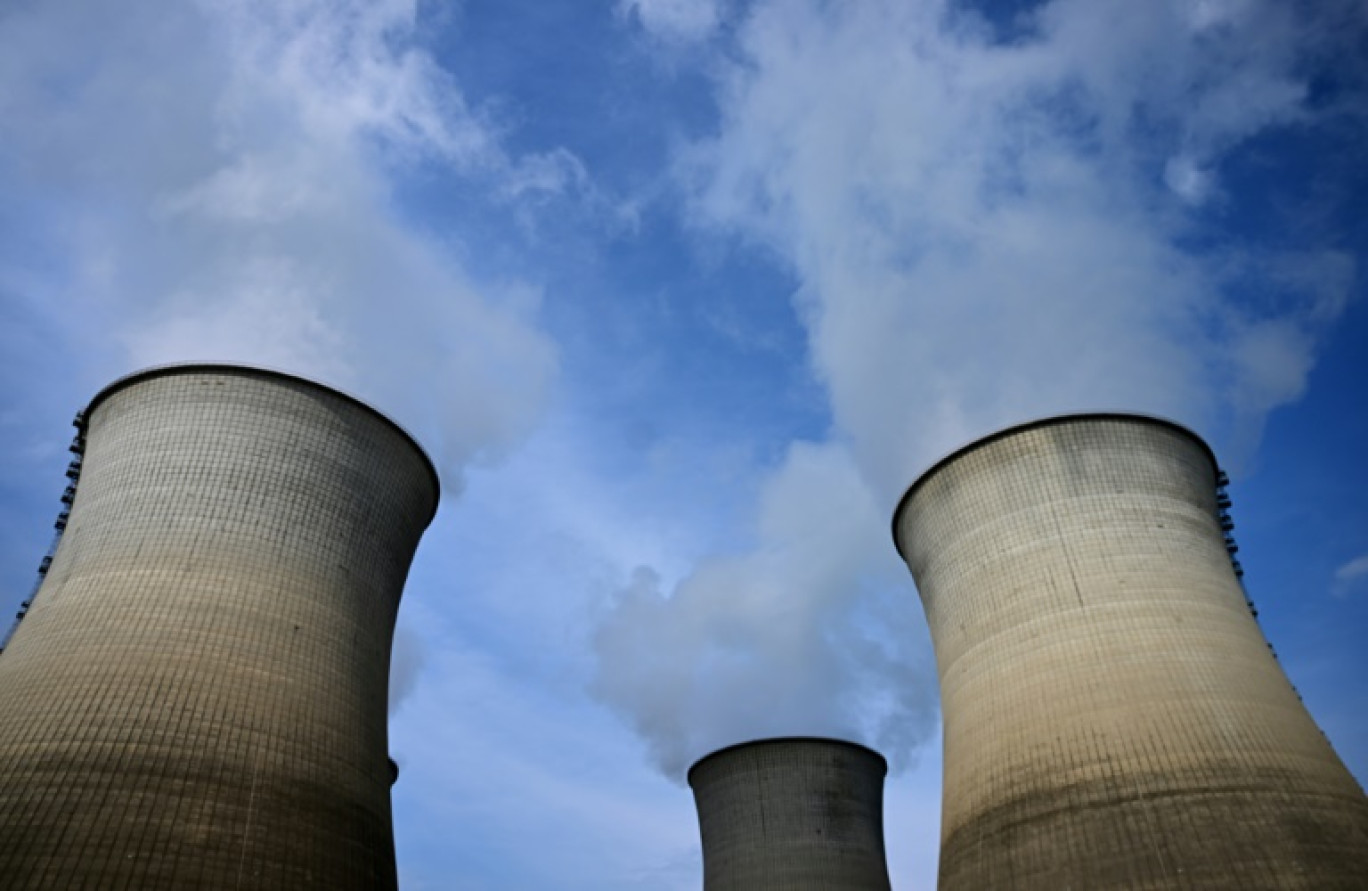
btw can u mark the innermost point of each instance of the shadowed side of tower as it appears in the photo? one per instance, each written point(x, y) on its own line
point(1113, 715)
point(792, 814)
point(197, 696)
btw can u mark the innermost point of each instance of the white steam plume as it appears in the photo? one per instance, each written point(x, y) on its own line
point(985, 230)
point(795, 636)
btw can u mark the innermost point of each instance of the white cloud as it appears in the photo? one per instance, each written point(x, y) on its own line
point(234, 166)
point(975, 224)
point(1187, 179)
point(982, 235)
point(1350, 576)
point(675, 20)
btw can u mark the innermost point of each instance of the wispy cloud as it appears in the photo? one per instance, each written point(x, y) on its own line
point(981, 227)
point(1350, 576)
point(675, 20)
point(988, 225)
point(235, 163)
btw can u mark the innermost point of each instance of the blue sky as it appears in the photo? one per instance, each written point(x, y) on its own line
point(680, 294)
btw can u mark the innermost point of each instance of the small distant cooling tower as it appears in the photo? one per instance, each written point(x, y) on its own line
point(1113, 716)
point(197, 696)
point(795, 814)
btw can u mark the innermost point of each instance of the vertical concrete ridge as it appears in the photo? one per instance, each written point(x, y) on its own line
point(1113, 716)
point(197, 696)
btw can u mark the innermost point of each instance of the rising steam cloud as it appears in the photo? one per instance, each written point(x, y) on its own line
point(988, 226)
point(796, 637)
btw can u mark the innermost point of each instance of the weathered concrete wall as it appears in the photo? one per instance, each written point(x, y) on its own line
point(1113, 715)
point(795, 814)
point(197, 698)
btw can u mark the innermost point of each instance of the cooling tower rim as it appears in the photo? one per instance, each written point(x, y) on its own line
point(756, 743)
point(1048, 421)
point(169, 368)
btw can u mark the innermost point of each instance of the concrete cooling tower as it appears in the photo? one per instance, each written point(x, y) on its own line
point(1113, 716)
point(196, 697)
point(791, 814)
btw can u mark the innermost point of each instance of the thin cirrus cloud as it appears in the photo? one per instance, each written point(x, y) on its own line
point(1350, 575)
point(986, 227)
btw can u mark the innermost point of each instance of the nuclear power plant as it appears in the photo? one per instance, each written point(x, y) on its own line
point(791, 814)
point(196, 696)
point(1113, 716)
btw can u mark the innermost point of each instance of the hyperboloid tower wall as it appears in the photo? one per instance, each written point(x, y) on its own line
point(791, 814)
point(1113, 716)
point(197, 696)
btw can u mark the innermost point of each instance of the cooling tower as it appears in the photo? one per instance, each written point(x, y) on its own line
point(1113, 716)
point(197, 696)
point(795, 814)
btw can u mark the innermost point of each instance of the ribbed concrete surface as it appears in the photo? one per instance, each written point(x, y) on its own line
point(197, 698)
point(791, 814)
point(1113, 716)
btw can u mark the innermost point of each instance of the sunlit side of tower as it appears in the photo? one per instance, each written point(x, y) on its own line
point(797, 814)
point(1113, 716)
point(197, 696)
